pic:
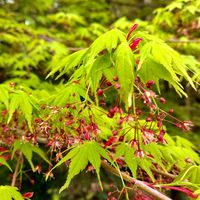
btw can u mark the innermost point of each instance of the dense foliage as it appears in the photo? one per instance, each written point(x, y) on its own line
point(84, 89)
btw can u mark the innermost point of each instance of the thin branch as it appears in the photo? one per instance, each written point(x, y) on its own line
point(75, 48)
point(166, 174)
point(137, 183)
point(20, 158)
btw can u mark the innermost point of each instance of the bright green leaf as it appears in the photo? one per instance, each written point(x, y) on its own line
point(3, 162)
point(9, 193)
point(124, 65)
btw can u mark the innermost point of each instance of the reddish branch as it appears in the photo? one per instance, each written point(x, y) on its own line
point(20, 160)
point(139, 184)
point(166, 174)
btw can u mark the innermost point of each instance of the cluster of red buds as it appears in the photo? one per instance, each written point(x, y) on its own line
point(134, 42)
point(146, 131)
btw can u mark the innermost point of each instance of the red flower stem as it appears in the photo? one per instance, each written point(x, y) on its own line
point(169, 121)
point(171, 116)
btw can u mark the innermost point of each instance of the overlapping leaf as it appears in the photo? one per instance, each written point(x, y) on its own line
point(9, 193)
point(27, 149)
point(4, 95)
point(68, 63)
point(3, 162)
point(124, 65)
point(161, 61)
point(80, 155)
point(70, 94)
point(22, 100)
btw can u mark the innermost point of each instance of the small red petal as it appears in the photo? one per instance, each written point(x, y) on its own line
point(99, 92)
point(135, 43)
point(162, 100)
point(28, 195)
point(131, 30)
point(115, 78)
point(110, 141)
point(108, 83)
point(117, 86)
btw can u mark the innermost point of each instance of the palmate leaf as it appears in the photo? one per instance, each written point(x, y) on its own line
point(26, 107)
point(14, 104)
point(78, 163)
point(153, 149)
point(89, 151)
point(27, 149)
point(107, 41)
point(70, 94)
point(183, 153)
point(94, 74)
point(132, 161)
point(193, 64)
point(97, 60)
point(95, 160)
point(4, 96)
point(70, 155)
point(162, 56)
point(146, 166)
point(175, 5)
point(155, 71)
point(71, 19)
point(22, 100)
point(191, 173)
point(173, 153)
point(80, 155)
point(68, 63)
point(124, 65)
point(166, 63)
point(129, 158)
point(182, 142)
point(3, 162)
point(109, 72)
point(163, 17)
point(86, 57)
point(9, 193)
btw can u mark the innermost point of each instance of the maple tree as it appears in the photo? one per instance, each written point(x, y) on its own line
point(100, 107)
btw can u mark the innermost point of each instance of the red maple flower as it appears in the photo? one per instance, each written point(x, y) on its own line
point(135, 43)
point(131, 30)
